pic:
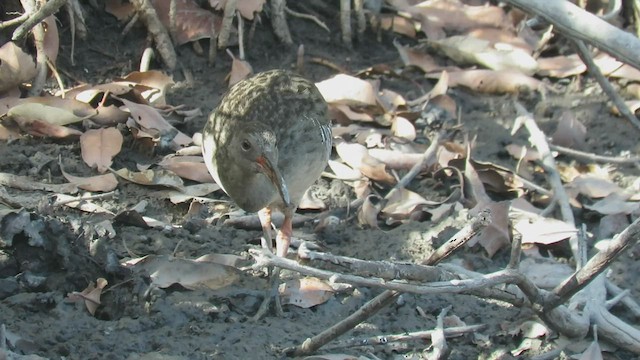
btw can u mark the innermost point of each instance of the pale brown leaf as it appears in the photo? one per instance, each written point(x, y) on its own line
point(16, 66)
point(306, 292)
point(99, 146)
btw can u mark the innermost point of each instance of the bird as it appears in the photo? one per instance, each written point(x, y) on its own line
point(266, 143)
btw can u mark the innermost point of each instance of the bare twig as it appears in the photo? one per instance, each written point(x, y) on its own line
point(36, 17)
point(160, 35)
point(585, 156)
point(227, 21)
point(584, 54)
point(279, 21)
point(596, 265)
point(411, 336)
point(345, 21)
point(573, 21)
point(308, 17)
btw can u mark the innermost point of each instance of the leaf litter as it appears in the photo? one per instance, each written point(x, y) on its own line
point(379, 132)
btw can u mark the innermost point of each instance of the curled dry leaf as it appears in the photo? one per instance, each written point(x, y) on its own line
point(470, 49)
point(187, 167)
point(398, 24)
point(571, 132)
point(240, 69)
point(310, 202)
point(90, 295)
point(615, 203)
point(536, 229)
point(344, 172)
point(157, 82)
point(16, 67)
point(165, 271)
point(402, 203)
point(152, 177)
point(191, 192)
point(99, 146)
point(81, 204)
point(546, 273)
point(105, 182)
point(438, 17)
point(306, 292)
point(495, 82)
point(51, 43)
point(150, 118)
point(346, 89)
point(350, 114)
point(593, 186)
point(403, 128)
point(397, 160)
point(417, 58)
point(368, 212)
point(357, 156)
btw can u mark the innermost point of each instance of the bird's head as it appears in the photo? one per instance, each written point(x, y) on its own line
point(257, 147)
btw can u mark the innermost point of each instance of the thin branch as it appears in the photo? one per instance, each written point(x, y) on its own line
point(584, 54)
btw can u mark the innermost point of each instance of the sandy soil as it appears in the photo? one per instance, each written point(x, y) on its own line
point(175, 323)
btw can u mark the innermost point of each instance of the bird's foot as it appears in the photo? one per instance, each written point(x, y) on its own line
point(265, 221)
point(271, 294)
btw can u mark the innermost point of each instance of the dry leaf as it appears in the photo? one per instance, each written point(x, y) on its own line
point(546, 273)
point(306, 292)
point(165, 271)
point(344, 172)
point(191, 192)
point(417, 58)
point(570, 132)
point(470, 49)
point(240, 69)
point(357, 156)
point(402, 203)
point(152, 177)
point(346, 89)
point(398, 24)
point(105, 182)
point(187, 167)
point(90, 295)
point(403, 128)
point(593, 186)
point(368, 212)
point(84, 205)
point(614, 203)
point(149, 118)
point(310, 202)
point(16, 67)
point(541, 230)
point(494, 82)
point(99, 146)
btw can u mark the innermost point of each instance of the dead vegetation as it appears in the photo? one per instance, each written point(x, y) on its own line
point(404, 158)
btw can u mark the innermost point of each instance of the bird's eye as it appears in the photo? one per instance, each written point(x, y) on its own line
point(246, 145)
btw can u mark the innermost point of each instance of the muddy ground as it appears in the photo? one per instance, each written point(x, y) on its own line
point(175, 323)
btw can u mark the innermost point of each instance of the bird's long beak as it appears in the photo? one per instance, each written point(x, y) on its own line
point(273, 173)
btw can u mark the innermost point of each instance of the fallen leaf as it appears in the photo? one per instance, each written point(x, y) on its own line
point(368, 212)
point(165, 271)
point(187, 167)
point(90, 295)
point(105, 182)
point(84, 205)
point(99, 146)
point(149, 118)
point(570, 132)
point(16, 67)
point(536, 229)
point(152, 177)
point(240, 70)
point(346, 89)
point(470, 49)
point(306, 292)
point(495, 82)
point(614, 203)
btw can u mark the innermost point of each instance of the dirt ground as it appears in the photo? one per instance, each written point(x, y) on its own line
point(176, 323)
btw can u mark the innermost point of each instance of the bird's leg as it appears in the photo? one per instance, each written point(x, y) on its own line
point(265, 221)
point(272, 292)
point(283, 239)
